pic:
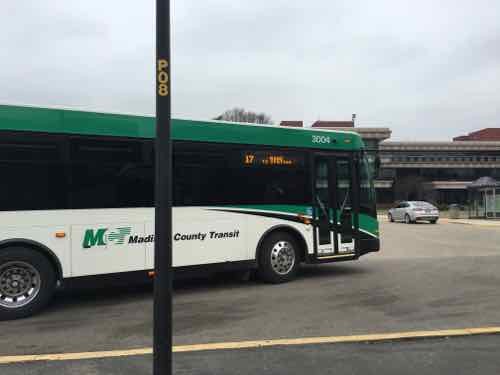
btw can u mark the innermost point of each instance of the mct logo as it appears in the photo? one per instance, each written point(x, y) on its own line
point(102, 237)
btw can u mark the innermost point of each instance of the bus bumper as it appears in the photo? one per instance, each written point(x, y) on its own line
point(368, 245)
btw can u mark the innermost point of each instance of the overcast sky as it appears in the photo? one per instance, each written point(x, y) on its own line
point(428, 69)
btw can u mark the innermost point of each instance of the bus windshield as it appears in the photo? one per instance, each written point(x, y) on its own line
point(367, 189)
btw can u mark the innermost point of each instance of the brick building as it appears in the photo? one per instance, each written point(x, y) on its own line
point(487, 134)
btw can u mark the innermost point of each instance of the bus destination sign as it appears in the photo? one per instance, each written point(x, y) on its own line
point(270, 159)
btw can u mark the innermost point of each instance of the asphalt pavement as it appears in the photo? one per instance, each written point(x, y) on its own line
point(427, 277)
point(458, 356)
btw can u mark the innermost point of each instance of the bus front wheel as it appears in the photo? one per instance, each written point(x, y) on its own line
point(279, 258)
point(27, 282)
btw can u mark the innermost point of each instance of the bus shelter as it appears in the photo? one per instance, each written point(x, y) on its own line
point(484, 198)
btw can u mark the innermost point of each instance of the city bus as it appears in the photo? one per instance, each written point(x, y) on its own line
point(77, 197)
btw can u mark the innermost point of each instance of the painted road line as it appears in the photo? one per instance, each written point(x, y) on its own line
point(254, 344)
point(338, 339)
point(74, 356)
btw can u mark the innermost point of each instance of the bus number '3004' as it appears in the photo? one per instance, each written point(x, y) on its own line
point(320, 139)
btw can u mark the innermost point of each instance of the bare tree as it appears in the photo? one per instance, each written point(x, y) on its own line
point(240, 115)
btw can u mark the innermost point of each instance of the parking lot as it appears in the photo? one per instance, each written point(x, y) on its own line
point(426, 278)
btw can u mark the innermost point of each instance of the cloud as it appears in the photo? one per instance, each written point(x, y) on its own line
point(427, 69)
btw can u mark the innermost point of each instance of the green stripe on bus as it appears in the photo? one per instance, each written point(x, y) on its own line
point(369, 224)
point(19, 118)
point(366, 222)
point(281, 208)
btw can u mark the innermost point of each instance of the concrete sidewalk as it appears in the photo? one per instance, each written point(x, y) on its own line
point(464, 221)
point(478, 222)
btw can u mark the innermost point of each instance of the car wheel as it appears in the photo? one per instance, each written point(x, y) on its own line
point(279, 258)
point(433, 221)
point(408, 219)
point(390, 218)
point(27, 282)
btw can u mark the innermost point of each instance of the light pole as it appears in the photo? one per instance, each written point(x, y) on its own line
point(162, 319)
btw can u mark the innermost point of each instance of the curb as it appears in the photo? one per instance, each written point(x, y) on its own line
point(366, 338)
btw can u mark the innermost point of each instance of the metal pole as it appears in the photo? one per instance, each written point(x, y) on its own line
point(162, 340)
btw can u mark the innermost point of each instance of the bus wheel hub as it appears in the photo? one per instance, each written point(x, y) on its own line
point(19, 284)
point(282, 257)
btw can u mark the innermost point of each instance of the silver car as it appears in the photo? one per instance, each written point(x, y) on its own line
point(411, 211)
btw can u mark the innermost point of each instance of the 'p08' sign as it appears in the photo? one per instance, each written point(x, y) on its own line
point(162, 77)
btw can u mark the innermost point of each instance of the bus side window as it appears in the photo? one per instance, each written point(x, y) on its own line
point(267, 183)
point(110, 173)
point(217, 175)
point(36, 170)
point(199, 175)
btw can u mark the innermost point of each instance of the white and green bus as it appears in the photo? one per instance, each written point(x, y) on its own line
point(77, 196)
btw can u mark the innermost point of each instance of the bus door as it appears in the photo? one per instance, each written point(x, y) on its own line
point(346, 214)
point(333, 210)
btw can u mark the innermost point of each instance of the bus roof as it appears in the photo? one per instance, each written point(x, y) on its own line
point(66, 121)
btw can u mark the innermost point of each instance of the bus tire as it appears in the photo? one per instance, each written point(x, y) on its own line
point(27, 282)
point(279, 258)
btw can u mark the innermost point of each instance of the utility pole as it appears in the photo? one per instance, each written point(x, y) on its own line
point(162, 331)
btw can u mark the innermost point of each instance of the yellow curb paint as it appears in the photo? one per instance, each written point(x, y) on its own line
point(253, 344)
point(338, 339)
point(74, 356)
